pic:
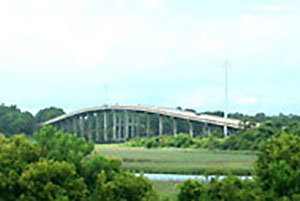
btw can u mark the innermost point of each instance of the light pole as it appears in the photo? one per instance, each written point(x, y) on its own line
point(226, 97)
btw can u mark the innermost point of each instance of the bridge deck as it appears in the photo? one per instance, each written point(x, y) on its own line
point(178, 114)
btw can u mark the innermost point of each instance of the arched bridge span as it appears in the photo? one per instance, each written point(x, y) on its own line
point(114, 123)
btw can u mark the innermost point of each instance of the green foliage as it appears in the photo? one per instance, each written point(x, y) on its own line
point(59, 166)
point(13, 121)
point(62, 147)
point(277, 173)
point(97, 163)
point(180, 140)
point(249, 138)
point(124, 186)
point(231, 188)
point(51, 180)
point(190, 190)
point(48, 113)
point(228, 189)
point(15, 153)
point(278, 166)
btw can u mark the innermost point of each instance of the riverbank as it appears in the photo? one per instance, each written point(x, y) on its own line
point(180, 161)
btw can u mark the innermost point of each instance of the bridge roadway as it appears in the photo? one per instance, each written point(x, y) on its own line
point(160, 111)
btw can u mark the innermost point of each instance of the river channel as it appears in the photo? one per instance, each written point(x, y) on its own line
point(179, 177)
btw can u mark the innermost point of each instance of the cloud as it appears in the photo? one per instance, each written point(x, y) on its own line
point(68, 51)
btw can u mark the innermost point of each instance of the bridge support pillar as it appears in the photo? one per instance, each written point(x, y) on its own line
point(126, 126)
point(132, 125)
point(148, 125)
point(75, 119)
point(114, 126)
point(97, 127)
point(225, 131)
point(66, 126)
point(60, 126)
point(105, 134)
point(90, 125)
point(191, 129)
point(119, 128)
point(160, 126)
point(81, 126)
point(138, 126)
point(174, 126)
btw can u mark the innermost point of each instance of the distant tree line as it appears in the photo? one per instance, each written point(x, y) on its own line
point(13, 120)
point(249, 138)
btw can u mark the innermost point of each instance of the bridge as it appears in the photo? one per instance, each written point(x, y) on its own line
point(117, 123)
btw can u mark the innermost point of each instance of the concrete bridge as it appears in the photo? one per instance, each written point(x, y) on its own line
point(116, 123)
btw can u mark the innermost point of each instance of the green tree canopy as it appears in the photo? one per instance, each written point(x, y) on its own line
point(51, 181)
point(277, 167)
point(60, 167)
point(61, 146)
point(13, 121)
point(48, 113)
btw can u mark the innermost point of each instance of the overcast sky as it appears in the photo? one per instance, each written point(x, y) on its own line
point(151, 52)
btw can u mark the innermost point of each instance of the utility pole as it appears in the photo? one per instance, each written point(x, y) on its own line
point(226, 97)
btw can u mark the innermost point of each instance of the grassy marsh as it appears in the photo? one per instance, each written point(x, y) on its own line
point(180, 161)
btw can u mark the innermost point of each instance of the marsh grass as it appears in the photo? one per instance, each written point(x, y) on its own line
point(180, 161)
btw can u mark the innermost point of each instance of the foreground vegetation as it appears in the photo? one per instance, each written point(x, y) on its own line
point(180, 161)
point(276, 177)
point(59, 167)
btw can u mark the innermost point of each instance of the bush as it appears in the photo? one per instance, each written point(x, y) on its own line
point(191, 190)
point(51, 180)
point(277, 168)
point(15, 154)
point(96, 164)
point(59, 167)
point(62, 147)
point(228, 189)
point(124, 186)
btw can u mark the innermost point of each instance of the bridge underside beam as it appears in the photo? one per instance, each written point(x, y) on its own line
point(113, 125)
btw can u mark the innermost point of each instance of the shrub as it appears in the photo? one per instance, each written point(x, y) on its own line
point(191, 190)
point(51, 180)
point(277, 168)
point(96, 164)
point(15, 154)
point(124, 186)
point(228, 189)
point(62, 147)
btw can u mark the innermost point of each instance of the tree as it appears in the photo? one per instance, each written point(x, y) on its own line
point(15, 153)
point(61, 146)
point(51, 180)
point(190, 190)
point(13, 121)
point(48, 113)
point(124, 186)
point(96, 164)
point(277, 168)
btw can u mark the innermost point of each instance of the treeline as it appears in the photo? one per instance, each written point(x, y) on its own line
point(257, 118)
point(250, 138)
point(59, 166)
point(275, 177)
point(13, 120)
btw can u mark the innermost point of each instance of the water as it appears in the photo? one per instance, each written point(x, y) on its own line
point(179, 177)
